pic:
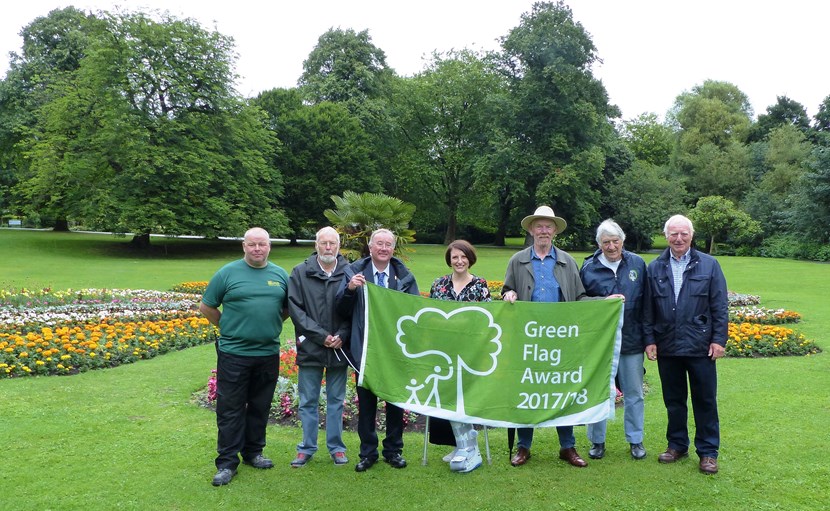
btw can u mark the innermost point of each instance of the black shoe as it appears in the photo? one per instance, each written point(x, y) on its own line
point(364, 464)
point(396, 460)
point(223, 476)
point(597, 451)
point(638, 452)
point(259, 461)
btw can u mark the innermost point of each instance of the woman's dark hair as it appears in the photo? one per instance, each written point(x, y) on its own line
point(463, 246)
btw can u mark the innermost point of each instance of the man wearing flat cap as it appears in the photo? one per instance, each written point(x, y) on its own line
point(543, 273)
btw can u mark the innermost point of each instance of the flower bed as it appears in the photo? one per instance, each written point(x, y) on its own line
point(754, 330)
point(763, 315)
point(49, 332)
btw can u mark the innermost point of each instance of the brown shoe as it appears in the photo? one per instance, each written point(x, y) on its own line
point(571, 456)
point(521, 457)
point(708, 465)
point(671, 455)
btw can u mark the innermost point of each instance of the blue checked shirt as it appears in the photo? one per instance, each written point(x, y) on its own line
point(678, 267)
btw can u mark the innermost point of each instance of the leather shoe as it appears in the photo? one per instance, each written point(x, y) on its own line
point(597, 451)
point(259, 461)
point(396, 460)
point(708, 465)
point(521, 457)
point(223, 476)
point(638, 452)
point(571, 456)
point(364, 464)
point(671, 455)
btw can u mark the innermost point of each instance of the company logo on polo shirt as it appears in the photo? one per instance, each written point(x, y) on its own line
point(274, 283)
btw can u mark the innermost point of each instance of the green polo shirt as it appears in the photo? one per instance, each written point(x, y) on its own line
point(252, 301)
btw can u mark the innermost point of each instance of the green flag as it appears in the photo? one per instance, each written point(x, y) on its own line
point(493, 363)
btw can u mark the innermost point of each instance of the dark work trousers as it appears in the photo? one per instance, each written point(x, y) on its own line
point(367, 409)
point(703, 384)
point(244, 391)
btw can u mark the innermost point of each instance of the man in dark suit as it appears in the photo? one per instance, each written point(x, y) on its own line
point(382, 269)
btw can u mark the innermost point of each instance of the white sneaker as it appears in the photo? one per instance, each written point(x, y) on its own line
point(448, 458)
point(467, 460)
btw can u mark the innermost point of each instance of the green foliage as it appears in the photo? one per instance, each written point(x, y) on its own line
point(166, 148)
point(344, 66)
point(443, 144)
point(559, 114)
point(323, 150)
point(717, 218)
point(785, 112)
point(357, 215)
point(811, 203)
point(649, 140)
point(643, 219)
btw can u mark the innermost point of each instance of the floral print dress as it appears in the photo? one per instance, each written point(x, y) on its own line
point(475, 291)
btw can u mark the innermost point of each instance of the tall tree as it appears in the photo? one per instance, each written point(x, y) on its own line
point(716, 218)
point(712, 122)
point(445, 119)
point(53, 47)
point(821, 123)
point(715, 112)
point(149, 136)
point(785, 156)
point(561, 109)
point(811, 201)
point(323, 150)
point(650, 140)
point(785, 112)
point(642, 197)
point(346, 67)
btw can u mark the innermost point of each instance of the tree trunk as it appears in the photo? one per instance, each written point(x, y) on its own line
point(141, 241)
point(712, 245)
point(61, 225)
point(452, 227)
point(501, 223)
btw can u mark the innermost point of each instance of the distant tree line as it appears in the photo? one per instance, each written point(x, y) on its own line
point(129, 122)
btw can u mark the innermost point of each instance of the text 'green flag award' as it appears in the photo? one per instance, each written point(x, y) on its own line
point(499, 364)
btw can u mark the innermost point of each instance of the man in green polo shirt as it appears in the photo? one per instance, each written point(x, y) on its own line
point(252, 292)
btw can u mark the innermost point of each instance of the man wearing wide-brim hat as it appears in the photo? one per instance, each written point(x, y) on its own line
point(543, 273)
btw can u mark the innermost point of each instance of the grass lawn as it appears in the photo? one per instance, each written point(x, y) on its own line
point(130, 437)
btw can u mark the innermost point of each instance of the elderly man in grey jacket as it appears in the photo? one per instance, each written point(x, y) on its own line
point(322, 332)
point(543, 273)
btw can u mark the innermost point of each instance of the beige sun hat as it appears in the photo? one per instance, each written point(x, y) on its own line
point(544, 212)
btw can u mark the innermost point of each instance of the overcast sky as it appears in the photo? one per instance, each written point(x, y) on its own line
point(652, 50)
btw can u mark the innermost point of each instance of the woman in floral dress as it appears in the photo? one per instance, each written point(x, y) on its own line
point(461, 286)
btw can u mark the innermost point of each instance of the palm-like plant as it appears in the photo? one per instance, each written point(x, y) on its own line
point(357, 215)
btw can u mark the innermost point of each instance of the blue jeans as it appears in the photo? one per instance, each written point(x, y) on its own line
point(630, 373)
point(309, 382)
point(566, 437)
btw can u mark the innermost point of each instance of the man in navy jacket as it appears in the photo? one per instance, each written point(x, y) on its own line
point(686, 327)
point(613, 270)
point(382, 269)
